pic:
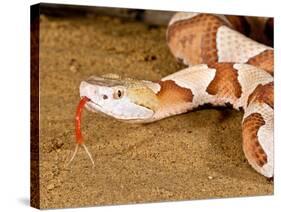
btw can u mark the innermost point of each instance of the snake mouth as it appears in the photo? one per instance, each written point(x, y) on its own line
point(97, 108)
point(93, 106)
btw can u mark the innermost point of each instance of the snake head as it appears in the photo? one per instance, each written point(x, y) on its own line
point(123, 99)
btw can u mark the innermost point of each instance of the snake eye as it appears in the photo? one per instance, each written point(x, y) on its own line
point(118, 94)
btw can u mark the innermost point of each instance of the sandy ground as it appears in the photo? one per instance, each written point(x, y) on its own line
point(191, 156)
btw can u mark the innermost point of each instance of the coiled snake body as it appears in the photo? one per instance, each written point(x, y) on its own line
point(225, 67)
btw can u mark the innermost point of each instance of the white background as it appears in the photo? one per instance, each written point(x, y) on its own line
point(15, 78)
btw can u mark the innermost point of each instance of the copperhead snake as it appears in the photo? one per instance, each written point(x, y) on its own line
point(224, 67)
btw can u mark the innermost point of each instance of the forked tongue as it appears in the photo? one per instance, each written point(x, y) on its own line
point(78, 133)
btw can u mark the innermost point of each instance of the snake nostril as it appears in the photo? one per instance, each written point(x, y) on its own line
point(105, 97)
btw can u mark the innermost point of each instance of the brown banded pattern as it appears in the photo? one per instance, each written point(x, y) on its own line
point(263, 94)
point(172, 93)
point(251, 146)
point(225, 83)
point(194, 40)
point(264, 60)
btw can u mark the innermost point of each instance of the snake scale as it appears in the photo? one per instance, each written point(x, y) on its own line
point(224, 67)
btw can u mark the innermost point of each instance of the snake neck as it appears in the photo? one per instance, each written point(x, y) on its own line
point(181, 92)
point(172, 99)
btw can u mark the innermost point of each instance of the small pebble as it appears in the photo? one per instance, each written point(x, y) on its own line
point(59, 144)
point(73, 69)
point(210, 177)
point(50, 186)
point(74, 66)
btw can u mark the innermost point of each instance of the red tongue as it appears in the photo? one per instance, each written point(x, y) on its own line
point(78, 133)
point(81, 105)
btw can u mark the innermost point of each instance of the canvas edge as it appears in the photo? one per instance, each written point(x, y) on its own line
point(34, 106)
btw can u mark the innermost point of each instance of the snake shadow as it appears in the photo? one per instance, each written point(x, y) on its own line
point(226, 156)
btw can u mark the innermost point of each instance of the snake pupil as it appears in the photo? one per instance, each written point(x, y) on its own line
point(119, 93)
